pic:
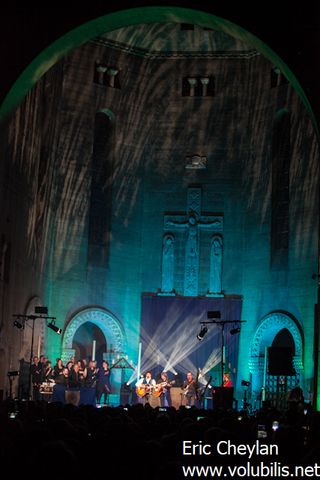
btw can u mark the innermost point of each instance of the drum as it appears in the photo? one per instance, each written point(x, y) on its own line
point(46, 388)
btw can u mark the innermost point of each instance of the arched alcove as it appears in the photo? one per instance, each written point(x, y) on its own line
point(267, 330)
point(109, 325)
point(83, 345)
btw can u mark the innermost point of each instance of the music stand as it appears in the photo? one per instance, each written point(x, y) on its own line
point(122, 363)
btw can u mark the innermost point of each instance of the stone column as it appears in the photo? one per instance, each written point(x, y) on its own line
point(205, 83)
point(193, 83)
point(112, 72)
point(101, 71)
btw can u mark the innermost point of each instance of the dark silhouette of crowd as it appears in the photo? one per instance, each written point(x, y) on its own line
point(52, 440)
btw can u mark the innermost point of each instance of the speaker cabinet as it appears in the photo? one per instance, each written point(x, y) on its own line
point(222, 397)
point(72, 397)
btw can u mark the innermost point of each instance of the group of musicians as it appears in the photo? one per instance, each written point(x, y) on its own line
point(191, 391)
point(77, 374)
point(74, 375)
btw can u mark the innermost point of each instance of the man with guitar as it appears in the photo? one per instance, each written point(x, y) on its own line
point(145, 387)
point(162, 390)
point(189, 388)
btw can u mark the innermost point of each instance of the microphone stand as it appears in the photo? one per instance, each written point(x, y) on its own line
point(222, 324)
point(204, 391)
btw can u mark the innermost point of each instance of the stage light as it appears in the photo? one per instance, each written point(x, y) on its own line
point(54, 327)
point(202, 333)
point(18, 324)
point(214, 314)
point(234, 331)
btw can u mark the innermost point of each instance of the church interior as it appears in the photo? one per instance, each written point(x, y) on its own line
point(161, 179)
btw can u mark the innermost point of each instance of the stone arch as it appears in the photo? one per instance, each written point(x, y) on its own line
point(104, 319)
point(266, 331)
point(109, 113)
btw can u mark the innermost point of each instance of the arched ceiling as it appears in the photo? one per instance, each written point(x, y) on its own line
point(127, 18)
point(175, 37)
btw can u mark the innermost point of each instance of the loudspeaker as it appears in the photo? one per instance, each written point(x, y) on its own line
point(72, 397)
point(125, 394)
point(222, 397)
point(280, 361)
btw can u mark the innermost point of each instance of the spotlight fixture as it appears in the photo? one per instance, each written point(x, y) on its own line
point(202, 333)
point(18, 323)
point(214, 314)
point(234, 331)
point(54, 327)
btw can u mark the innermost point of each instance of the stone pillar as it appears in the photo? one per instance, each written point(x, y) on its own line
point(101, 71)
point(112, 72)
point(205, 83)
point(193, 83)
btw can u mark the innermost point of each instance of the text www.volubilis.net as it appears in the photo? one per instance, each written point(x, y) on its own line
point(261, 470)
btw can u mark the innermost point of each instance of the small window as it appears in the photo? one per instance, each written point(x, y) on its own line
point(198, 86)
point(106, 75)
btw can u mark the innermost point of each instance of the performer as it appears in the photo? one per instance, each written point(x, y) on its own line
point(36, 377)
point(62, 383)
point(83, 370)
point(74, 377)
point(144, 387)
point(162, 389)
point(189, 388)
point(103, 385)
point(92, 374)
point(58, 368)
point(63, 377)
point(47, 372)
point(46, 387)
point(227, 382)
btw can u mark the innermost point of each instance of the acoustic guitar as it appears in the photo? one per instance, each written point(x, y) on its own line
point(158, 389)
point(144, 389)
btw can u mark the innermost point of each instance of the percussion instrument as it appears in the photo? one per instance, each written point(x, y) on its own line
point(46, 388)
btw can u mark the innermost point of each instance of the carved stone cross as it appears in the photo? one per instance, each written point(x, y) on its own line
point(192, 222)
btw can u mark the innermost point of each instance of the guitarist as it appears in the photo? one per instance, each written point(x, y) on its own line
point(147, 384)
point(189, 388)
point(164, 386)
